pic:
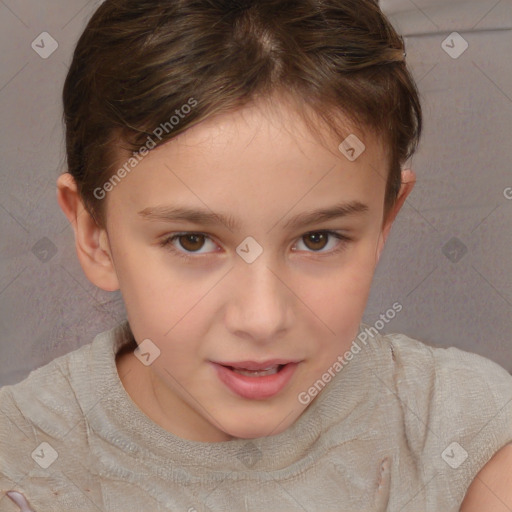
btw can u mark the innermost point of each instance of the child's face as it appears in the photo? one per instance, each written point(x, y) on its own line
point(298, 301)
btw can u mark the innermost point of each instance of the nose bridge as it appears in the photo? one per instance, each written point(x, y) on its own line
point(259, 304)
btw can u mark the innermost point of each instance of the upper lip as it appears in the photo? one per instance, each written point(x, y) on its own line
point(255, 365)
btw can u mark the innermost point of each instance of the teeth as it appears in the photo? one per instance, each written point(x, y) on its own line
point(257, 373)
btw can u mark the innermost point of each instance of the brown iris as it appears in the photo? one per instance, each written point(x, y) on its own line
point(316, 238)
point(193, 242)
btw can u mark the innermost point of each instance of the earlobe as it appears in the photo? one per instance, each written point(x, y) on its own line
point(408, 181)
point(91, 240)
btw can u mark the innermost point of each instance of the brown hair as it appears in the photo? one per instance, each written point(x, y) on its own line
point(138, 64)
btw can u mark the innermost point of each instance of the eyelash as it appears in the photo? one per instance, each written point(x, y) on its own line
point(167, 242)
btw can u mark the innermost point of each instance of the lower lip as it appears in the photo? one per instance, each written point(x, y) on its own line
point(255, 388)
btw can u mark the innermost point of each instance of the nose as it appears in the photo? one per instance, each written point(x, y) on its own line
point(259, 308)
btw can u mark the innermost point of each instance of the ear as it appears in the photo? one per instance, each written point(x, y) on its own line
point(91, 241)
point(408, 181)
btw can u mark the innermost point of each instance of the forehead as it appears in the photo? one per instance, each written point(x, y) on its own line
point(277, 122)
point(263, 156)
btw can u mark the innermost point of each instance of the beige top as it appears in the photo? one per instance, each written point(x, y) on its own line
point(71, 439)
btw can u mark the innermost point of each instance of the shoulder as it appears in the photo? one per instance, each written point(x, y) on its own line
point(428, 376)
point(457, 410)
point(48, 420)
point(46, 390)
point(37, 414)
point(450, 374)
point(450, 384)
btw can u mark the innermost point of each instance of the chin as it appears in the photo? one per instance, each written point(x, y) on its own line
point(250, 433)
point(257, 427)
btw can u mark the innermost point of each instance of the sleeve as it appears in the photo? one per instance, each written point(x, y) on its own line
point(457, 412)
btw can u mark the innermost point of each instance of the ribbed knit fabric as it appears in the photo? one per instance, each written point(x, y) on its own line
point(402, 427)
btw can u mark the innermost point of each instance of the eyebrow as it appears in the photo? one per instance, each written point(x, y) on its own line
point(206, 217)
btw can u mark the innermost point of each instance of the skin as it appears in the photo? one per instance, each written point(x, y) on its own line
point(261, 166)
point(491, 490)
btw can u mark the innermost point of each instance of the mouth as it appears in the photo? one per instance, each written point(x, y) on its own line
point(257, 373)
point(256, 380)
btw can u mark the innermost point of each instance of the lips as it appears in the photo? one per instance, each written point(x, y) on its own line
point(256, 380)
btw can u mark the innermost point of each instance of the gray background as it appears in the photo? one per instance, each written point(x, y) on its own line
point(448, 259)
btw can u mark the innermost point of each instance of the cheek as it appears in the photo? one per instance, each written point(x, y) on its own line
point(353, 279)
point(178, 357)
point(152, 294)
point(340, 300)
point(360, 275)
point(168, 306)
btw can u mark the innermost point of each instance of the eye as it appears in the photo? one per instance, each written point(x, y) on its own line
point(318, 240)
point(191, 243)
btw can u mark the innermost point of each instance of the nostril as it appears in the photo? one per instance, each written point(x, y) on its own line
point(20, 500)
